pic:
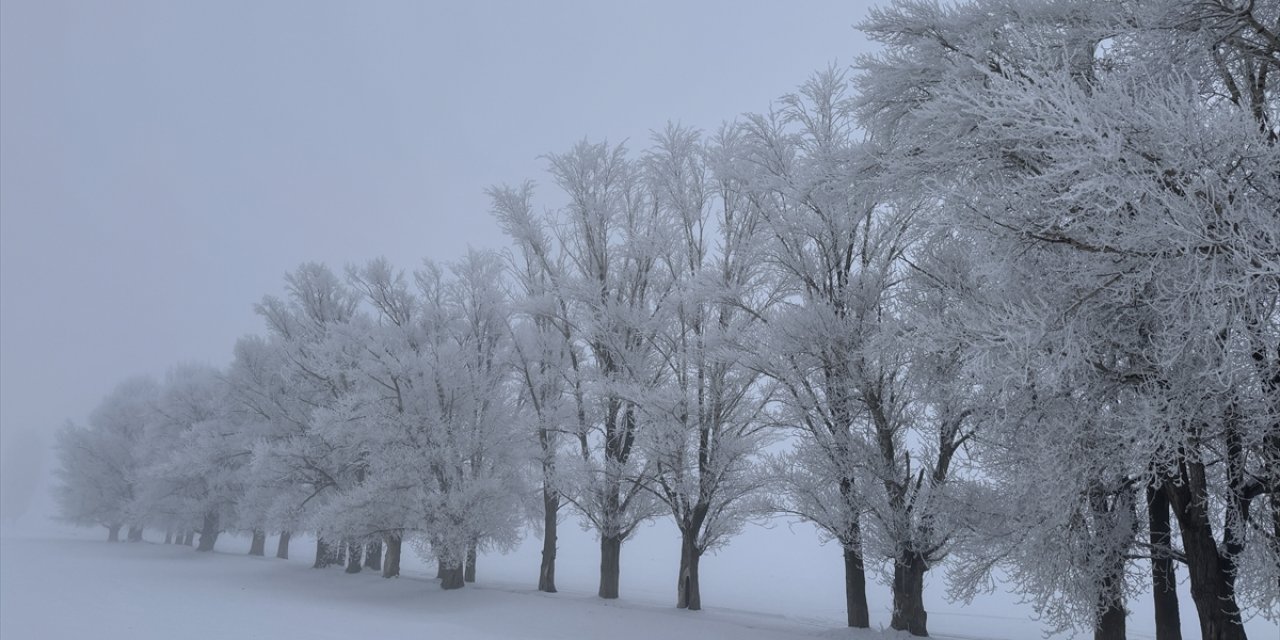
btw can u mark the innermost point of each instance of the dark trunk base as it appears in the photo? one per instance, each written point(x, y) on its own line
point(452, 578)
point(550, 509)
point(688, 591)
point(282, 547)
point(324, 555)
point(189, 539)
point(391, 565)
point(547, 572)
point(168, 537)
point(354, 560)
point(135, 534)
point(208, 532)
point(908, 595)
point(1111, 626)
point(1164, 582)
point(1212, 584)
point(855, 589)
point(373, 556)
point(259, 545)
point(469, 571)
point(610, 566)
point(113, 533)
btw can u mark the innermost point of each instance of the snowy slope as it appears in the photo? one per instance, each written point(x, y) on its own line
point(769, 585)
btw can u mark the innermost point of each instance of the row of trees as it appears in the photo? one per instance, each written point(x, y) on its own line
point(1010, 298)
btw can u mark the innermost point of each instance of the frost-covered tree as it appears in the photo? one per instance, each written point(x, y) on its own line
point(609, 294)
point(306, 469)
point(259, 391)
point(1114, 166)
point(99, 465)
point(706, 416)
point(805, 185)
point(195, 453)
point(432, 406)
point(543, 354)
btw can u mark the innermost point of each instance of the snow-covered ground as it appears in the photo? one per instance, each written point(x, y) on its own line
point(770, 584)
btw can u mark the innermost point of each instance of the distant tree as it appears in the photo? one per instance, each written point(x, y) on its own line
point(195, 455)
point(317, 353)
point(99, 464)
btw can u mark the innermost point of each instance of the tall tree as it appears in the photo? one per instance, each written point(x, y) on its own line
point(707, 415)
point(1128, 197)
point(610, 293)
point(543, 353)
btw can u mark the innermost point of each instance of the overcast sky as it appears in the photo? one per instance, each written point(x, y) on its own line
point(163, 164)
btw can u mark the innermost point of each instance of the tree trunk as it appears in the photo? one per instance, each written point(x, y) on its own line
point(208, 532)
point(451, 576)
point(168, 536)
point(1212, 587)
point(1111, 624)
point(440, 569)
point(259, 545)
point(324, 555)
point(135, 533)
point(189, 539)
point(908, 594)
point(688, 593)
point(855, 588)
point(610, 566)
point(373, 555)
point(550, 509)
point(1164, 583)
point(353, 556)
point(391, 565)
point(113, 532)
point(282, 547)
point(469, 569)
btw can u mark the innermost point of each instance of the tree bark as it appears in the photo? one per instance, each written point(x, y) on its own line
point(373, 555)
point(168, 536)
point(610, 566)
point(688, 592)
point(113, 533)
point(469, 570)
point(1212, 586)
point(135, 533)
point(282, 547)
point(324, 555)
point(1111, 624)
point(440, 569)
point(189, 539)
point(354, 560)
point(550, 509)
point(908, 594)
point(258, 546)
point(855, 588)
point(1164, 582)
point(208, 532)
point(452, 577)
point(391, 565)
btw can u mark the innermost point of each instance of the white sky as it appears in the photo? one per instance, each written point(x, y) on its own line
point(163, 164)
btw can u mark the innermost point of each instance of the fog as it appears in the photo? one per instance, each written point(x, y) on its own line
point(885, 307)
point(164, 164)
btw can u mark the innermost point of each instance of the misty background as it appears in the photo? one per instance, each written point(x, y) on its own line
point(162, 165)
